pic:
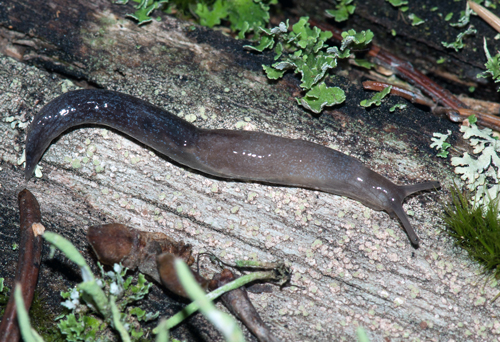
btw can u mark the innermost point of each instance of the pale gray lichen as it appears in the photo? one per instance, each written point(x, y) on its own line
point(439, 142)
point(482, 172)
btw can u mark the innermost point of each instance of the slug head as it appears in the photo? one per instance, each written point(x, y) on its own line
point(395, 206)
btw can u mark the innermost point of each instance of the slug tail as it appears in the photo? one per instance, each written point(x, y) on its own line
point(410, 189)
point(400, 213)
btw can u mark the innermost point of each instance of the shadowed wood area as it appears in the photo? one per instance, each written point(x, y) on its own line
point(352, 266)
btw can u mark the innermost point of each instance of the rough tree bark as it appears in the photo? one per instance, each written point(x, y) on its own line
point(352, 266)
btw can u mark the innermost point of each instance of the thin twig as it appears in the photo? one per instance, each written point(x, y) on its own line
point(486, 15)
point(396, 90)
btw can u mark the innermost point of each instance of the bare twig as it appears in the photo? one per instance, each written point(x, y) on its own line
point(28, 265)
point(486, 15)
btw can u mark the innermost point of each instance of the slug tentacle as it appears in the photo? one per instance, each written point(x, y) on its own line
point(400, 213)
point(242, 155)
point(411, 189)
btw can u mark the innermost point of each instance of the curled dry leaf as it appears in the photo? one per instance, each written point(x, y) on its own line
point(116, 243)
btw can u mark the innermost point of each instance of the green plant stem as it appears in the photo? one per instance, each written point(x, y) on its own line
point(222, 321)
point(28, 334)
point(194, 306)
point(71, 253)
point(162, 335)
point(116, 320)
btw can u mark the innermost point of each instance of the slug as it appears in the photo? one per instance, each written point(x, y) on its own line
point(241, 155)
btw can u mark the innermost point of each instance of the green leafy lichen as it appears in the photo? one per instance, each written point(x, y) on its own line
point(377, 98)
point(84, 323)
point(304, 51)
point(357, 39)
point(244, 16)
point(320, 96)
point(144, 10)
point(211, 17)
point(342, 11)
point(439, 142)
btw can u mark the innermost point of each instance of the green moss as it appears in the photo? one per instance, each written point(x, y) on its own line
point(476, 229)
point(44, 320)
point(4, 298)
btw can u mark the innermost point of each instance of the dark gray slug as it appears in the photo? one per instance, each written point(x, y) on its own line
point(241, 155)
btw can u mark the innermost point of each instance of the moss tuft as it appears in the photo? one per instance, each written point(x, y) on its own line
point(476, 229)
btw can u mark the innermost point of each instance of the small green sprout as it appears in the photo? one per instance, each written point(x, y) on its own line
point(458, 43)
point(439, 143)
point(342, 11)
point(397, 106)
point(492, 65)
point(377, 98)
point(476, 229)
point(397, 3)
point(4, 298)
point(464, 18)
point(415, 21)
point(144, 10)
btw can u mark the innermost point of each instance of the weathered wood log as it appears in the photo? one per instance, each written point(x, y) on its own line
point(355, 266)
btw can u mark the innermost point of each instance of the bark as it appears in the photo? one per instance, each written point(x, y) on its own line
point(354, 266)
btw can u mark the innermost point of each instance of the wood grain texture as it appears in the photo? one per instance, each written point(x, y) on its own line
point(354, 265)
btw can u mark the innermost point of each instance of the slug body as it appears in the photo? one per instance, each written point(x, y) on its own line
point(241, 155)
